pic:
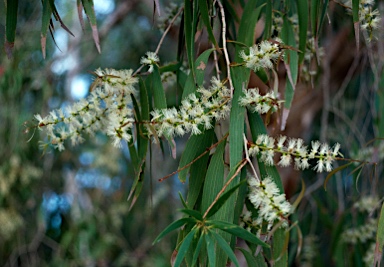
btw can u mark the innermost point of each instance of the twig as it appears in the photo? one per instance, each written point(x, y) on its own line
point(243, 163)
point(162, 37)
point(224, 29)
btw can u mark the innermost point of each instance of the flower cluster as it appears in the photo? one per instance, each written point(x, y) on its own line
point(368, 16)
point(294, 150)
point(150, 59)
point(107, 108)
point(168, 15)
point(266, 197)
point(197, 111)
point(262, 55)
point(369, 256)
point(367, 204)
point(259, 103)
point(310, 248)
point(362, 233)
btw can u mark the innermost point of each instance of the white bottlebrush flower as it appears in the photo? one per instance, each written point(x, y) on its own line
point(258, 103)
point(109, 103)
point(267, 199)
point(295, 151)
point(261, 56)
point(150, 59)
point(196, 113)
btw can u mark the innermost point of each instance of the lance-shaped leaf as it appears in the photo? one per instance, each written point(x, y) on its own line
point(379, 239)
point(203, 5)
point(10, 26)
point(224, 245)
point(302, 12)
point(237, 231)
point(90, 12)
point(183, 249)
point(173, 226)
point(45, 22)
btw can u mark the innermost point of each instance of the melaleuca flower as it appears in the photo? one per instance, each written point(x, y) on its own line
point(361, 233)
point(196, 113)
point(259, 103)
point(107, 108)
point(268, 200)
point(294, 151)
point(263, 55)
point(369, 17)
point(150, 59)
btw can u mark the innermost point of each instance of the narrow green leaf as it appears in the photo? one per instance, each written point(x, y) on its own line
point(222, 200)
point(189, 30)
point(268, 20)
point(379, 238)
point(183, 249)
point(197, 249)
point(173, 226)
point(323, 14)
point(355, 10)
point(142, 140)
point(342, 167)
point(303, 13)
point(183, 201)
point(159, 98)
point(90, 12)
point(45, 22)
point(314, 16)
point(203, 5)
point(252, 260)
point(195, 214)
point(224, 245)
point(80, 13)
point(10, 25)
point(211, 250)
point(196, 145)
point(200, 64)
point(280, 248)
point(58, 18)
point(214, 179)
point(237, 231)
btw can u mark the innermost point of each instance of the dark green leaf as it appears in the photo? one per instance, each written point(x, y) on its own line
point(173, 226)
point(159, 98)
point(379, 238)
point(224, 245)
point(205, 17)
point(197, 215)
point(183, 249)
point(220, 202)
point(46, 19)
point(252, 260)
point(192, 82)
point(302, 12)
point(10, 25)
point(182, 200)
point(197, 250)
point(237, 231)
point(211, 250)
